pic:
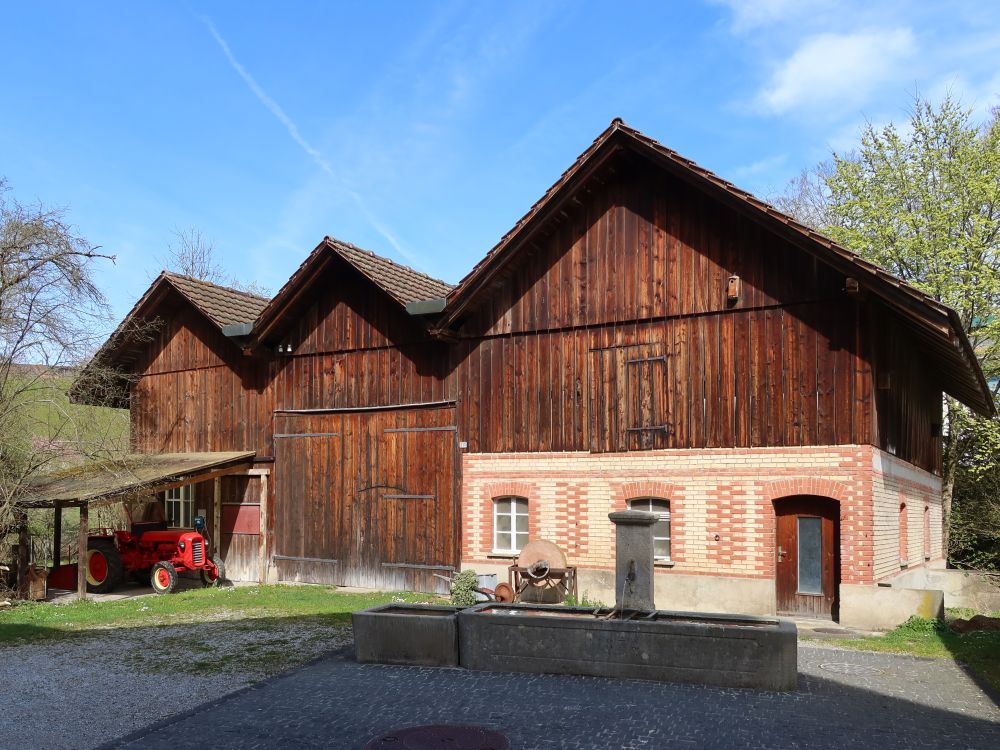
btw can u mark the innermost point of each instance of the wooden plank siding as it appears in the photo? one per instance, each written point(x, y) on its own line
point(367, 498)
point(559, 354)
point(639, 268)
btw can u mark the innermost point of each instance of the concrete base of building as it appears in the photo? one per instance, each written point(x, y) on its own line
point(962, 588)
point(883, 608)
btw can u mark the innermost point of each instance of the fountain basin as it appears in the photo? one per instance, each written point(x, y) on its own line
point(688, 647)
point(413, 634)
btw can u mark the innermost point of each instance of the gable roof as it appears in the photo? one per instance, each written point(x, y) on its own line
point(937, 326)
point(402, 283)
point(221, 304)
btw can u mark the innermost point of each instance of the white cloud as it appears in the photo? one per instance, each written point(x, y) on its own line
point(753, 14)
point(837, 70)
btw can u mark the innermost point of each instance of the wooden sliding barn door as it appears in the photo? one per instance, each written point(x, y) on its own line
point(807, 569)
point(367, 497)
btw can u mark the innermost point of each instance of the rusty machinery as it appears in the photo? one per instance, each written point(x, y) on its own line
point(540, 574)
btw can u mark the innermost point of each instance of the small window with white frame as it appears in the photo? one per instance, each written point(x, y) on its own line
point(661, 529)
point(179, 506)
point(510, 524)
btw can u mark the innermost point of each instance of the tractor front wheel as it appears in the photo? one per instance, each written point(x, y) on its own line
point(104, 566)
point(163, 578)
point(214, 578)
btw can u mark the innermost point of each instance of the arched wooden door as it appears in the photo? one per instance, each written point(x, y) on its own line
point(807, 556)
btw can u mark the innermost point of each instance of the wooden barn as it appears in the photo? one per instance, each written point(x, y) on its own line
point(646, 336)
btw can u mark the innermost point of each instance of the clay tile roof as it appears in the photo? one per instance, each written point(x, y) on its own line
point(224, 306)
point(401, 282)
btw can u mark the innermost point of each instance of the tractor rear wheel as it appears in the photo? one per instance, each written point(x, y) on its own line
point(163, 578)
point(104, 566)
point(206, 576)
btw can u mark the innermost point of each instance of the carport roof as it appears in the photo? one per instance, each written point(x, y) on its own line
point(105, 481)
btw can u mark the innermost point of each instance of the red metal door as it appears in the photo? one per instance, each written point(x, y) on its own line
point(807, 574)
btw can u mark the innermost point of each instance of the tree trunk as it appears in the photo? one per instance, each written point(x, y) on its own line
point(950, 469)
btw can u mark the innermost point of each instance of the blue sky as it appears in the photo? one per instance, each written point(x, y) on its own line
point(423, 131)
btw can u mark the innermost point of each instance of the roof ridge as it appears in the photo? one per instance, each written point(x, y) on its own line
point(205, 282)
point(388, 260)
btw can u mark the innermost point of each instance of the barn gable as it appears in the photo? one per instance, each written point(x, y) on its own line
point(179, 323)
point(611, 202)
point(397, 284)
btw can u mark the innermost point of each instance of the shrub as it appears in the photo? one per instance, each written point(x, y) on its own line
point(463, 588)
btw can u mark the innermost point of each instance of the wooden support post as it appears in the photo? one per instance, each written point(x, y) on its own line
point(22, 555)
point(81, 554)
point(262, 548)
point(57, 537)
point(217, 516)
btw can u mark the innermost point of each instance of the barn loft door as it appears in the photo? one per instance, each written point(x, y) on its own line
point(629, 393)
point(807, 574)
point(367, 498)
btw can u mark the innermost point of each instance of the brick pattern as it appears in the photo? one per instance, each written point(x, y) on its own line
point(894, 483)
point(721, 501)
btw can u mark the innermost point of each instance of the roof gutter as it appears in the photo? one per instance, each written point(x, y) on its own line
point(237, 330)
point(426, 306)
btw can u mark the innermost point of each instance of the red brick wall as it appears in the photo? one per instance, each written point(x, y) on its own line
point(724, 493)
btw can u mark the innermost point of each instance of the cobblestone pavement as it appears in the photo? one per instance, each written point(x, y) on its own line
point(845, 699)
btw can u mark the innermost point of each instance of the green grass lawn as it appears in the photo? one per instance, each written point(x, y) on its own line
point(932, 638)
point(39, 621)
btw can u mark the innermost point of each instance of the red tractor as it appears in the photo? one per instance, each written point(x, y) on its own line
point(149, 550)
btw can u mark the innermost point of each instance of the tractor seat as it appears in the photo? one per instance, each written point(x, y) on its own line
point(141, 527)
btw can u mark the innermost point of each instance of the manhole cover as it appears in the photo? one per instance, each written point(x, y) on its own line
point(854, 670)
point(440, 737)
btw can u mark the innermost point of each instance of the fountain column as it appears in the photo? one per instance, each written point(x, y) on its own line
point(633, 559)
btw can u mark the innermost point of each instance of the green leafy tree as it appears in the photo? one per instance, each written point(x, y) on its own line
point(923, 202)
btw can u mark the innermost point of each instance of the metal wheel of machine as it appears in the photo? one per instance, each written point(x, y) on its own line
point(104, 566)
point(163, 578)
point(206, 576)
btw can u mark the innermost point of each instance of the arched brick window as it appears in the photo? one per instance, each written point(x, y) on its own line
point(661, 529)
point(927, 532)
point(903, 559)
point(510, 524)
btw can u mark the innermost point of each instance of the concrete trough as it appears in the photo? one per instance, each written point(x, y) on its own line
point(687, 647)
point(414, 634)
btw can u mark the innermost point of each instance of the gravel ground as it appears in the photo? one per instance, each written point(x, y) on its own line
point(83, 691)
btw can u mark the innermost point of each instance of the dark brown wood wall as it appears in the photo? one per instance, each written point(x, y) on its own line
point(354, 346)
point(908, 403)
point(615, 333)
point(197, 392)
point(611, 332)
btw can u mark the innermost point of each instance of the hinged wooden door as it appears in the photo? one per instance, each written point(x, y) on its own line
point(367, 497)
point(630, 397)
point(807, 572)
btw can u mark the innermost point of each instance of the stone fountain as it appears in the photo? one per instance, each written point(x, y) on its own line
point(630, 640)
